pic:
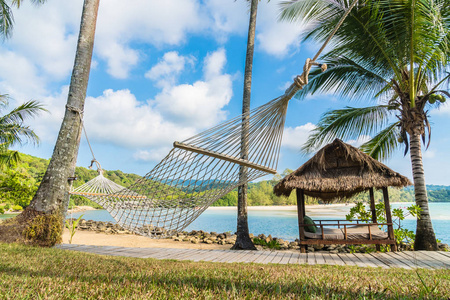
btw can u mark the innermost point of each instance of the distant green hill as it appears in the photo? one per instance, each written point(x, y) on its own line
point(18, 185)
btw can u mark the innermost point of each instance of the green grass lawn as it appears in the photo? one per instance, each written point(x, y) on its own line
point(43, 273)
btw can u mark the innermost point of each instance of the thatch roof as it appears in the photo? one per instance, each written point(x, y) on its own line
point(339, 171)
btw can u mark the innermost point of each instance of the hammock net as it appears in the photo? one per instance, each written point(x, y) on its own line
point(195, 173)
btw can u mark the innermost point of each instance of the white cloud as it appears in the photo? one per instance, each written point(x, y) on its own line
point(117, 117)
point(358, 142)
point(427, 153)
point(19, 77)
point(444, 109)
point(47, 35)
point(159, 23)
point(167, 70)
point(202, 102)
point(295, 138)
point(276, 37)
point(151, 155)
point(227, 18)
point(121, 59)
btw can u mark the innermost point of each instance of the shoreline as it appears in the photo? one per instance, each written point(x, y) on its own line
point(259, 207)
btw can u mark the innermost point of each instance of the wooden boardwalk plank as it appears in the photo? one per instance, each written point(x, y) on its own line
point(421, 260)
point(259, 257)
point(388, 261)
point(214, 255)
point(337, 260)
point(346, 259)
point(278, 257)
point(287, 256)
point(319, 258)
point(225, 256)
point(294, 258)
point(266, 258)
point(382, 261)
point(302, 258)
point(397, 262)
point(410, 260)
point(439, 261)
point(444, 253)
point(359, 260)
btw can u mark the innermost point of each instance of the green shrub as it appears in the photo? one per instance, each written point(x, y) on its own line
point(2, 210)
point(17, 208)
point(7, 206)
point(271, 244)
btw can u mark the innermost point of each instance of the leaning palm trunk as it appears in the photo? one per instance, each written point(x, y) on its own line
point(425, 237)
point(51, 198)
point(243, 240)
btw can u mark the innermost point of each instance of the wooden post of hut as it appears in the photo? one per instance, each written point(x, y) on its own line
point(373, 211)
point(389, 218)
point(301, 214)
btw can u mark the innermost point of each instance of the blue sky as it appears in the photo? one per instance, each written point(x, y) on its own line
point(165, 70)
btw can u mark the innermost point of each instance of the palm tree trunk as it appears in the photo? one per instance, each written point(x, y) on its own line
point(243, 240)
point(425, 237)
point(52, 195)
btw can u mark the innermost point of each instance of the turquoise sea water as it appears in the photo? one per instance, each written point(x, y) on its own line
point(283, 223)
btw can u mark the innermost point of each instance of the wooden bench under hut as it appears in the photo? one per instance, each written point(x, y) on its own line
point(337, 172)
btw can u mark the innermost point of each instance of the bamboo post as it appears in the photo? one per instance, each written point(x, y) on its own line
point(301, 214)
point(389, 218)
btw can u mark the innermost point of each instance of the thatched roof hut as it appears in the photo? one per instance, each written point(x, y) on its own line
point(339, 171)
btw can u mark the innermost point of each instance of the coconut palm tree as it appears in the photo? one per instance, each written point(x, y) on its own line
point(52, 198)
point(391, 52)
point(243, 240)
point(13, 131)
point(6, 15)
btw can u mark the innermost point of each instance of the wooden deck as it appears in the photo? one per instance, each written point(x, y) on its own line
point(406, 260)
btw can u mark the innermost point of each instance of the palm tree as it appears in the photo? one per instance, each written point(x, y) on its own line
point(13, 131)
point(395, 52)
point(243, 240)
point(6, 15)
point(52, 197)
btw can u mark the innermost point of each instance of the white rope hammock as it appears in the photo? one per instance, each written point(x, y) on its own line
point(196, 172)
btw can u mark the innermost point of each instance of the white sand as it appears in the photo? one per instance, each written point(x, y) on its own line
point(131, 240)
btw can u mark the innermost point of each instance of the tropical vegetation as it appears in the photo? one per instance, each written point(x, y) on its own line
point(391, 52)
point(13, 130)
point(19, 183)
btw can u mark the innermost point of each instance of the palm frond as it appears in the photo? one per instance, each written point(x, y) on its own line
point(346, 77)
point(383, 145)
point(307, 11)
point(26, 110)
point(347, 123)
point(6, 19)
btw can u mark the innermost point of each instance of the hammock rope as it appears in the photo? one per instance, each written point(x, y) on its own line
point(202, 169)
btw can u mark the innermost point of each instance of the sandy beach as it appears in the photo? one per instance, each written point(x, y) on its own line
point(131, 240)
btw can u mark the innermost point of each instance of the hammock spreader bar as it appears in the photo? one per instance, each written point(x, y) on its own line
point(239, 161)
